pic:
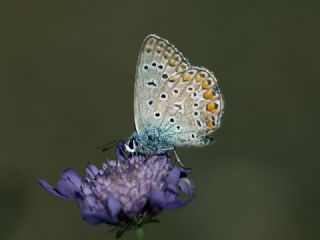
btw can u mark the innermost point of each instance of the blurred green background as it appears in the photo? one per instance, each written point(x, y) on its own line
point(66, 86)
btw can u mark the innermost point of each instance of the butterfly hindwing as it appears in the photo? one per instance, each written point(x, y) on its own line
point(191, 107)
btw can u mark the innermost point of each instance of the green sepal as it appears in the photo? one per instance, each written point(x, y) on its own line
point(139, 232)
point(136, 226)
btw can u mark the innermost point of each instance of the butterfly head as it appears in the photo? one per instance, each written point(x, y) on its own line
point(131, 145)
point(136, 144)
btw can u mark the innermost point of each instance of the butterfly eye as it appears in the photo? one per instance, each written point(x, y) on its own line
point(130, 146)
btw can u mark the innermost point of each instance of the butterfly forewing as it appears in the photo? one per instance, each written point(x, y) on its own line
point(158, 61)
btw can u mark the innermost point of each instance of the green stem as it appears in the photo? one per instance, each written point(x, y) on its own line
point(139, 233)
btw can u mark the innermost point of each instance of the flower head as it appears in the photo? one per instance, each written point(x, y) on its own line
point(129, 190)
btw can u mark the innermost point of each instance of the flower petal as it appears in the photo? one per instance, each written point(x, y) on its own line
point(91, 210)
point(186, 185)
point(68, 185)
point(178, 203)
point(113, 206)
point(91, 170)
point(67, 189)
point(174, 175)
point(51, 189)
point(172, 188)
point(72, 177)
point(157, 198)
point(94, 218)
point(184, 172)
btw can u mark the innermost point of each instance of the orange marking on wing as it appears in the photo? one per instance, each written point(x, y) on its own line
point(208, 94)
point(199, 78)
point(211, 107)
point(186, 77)
point(210, 123)
point(205, 85)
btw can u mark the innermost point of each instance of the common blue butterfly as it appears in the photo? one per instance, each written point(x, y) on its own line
point(175, 104)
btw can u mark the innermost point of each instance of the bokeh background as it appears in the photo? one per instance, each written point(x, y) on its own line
point(66, 86)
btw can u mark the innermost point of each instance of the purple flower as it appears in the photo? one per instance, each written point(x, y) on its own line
point(126, 191)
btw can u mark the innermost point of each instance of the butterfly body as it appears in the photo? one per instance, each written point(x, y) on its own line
point(175, 104)
point(152, 140)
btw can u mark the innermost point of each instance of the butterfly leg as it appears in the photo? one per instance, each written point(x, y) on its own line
point(175, 153)
point(177, 158)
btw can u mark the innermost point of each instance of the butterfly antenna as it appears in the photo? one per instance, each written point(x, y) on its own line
point(177, 158)
point(124, 153)
point(107, 146)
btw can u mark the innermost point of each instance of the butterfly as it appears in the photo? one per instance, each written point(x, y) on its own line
point(175, 104)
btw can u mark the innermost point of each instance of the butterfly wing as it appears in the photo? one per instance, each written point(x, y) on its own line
point(194, 108)
point(158, 61)
point(182, 101)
